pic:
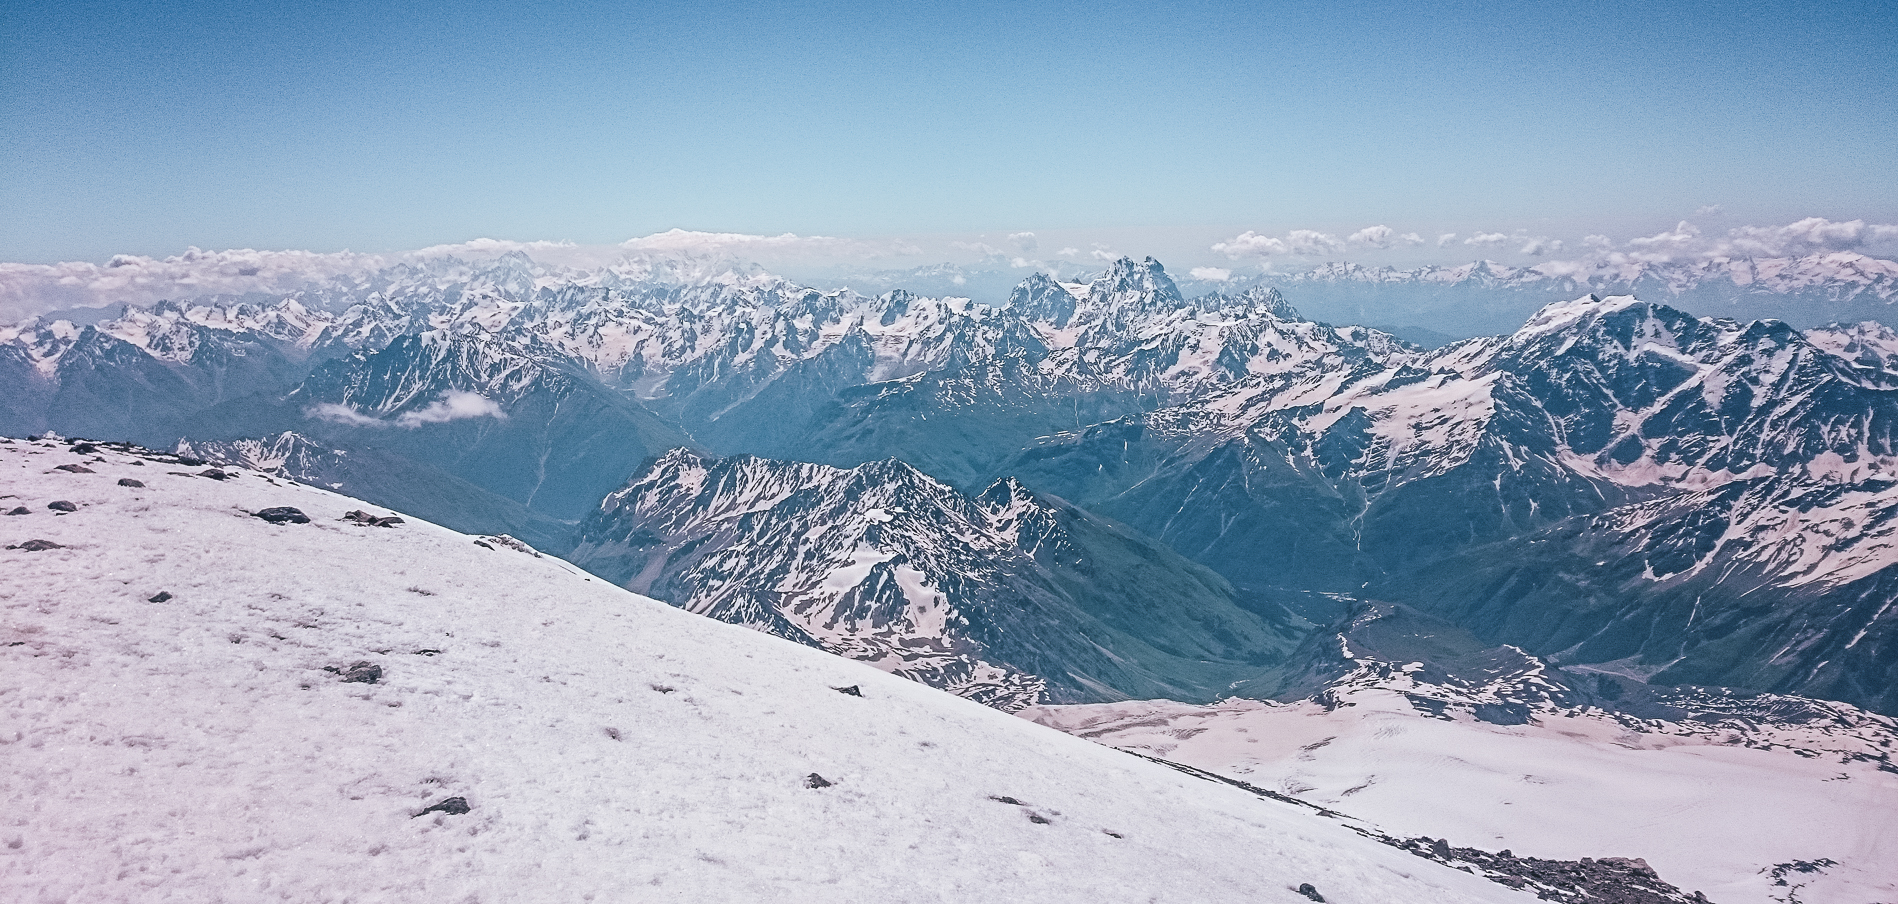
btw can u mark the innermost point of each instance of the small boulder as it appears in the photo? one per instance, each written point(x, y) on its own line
point(84, 448)
point(215, 474)
point(129, 482)
point(364, 672)
point(852, 690)
point(817, 781)
point(282, 514)
point(74, 469)
point(162, 596)
point(61, 505)
point(454, 806)
point(37, 546)
point(367, 520)
point(20, 510)
point(1306, 889)
point(190, 462)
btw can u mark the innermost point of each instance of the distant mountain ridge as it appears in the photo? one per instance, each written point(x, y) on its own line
point(1003, 597)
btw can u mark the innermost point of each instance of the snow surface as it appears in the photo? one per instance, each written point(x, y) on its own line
point(1706, 811)
point(610, 747)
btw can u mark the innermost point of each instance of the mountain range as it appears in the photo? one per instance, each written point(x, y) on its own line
point(1616, 482)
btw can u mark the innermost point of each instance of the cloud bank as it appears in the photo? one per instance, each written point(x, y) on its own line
point(1685, 242)
point(31, 289)
point(454, 405)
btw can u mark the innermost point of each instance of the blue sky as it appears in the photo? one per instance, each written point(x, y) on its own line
point(145, 128)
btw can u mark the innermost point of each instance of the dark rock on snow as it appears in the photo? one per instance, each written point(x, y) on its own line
point(282, 514)
point(61, 505)
point(454, 806)
point(37, 545)
point(129, 482)
point(852, 690)
point(216, 474)
point(161, 596)
point(816, 781)
point(1306, 889)
point(363, 673)
point(74, 469)
point(20, 510)
point(367, 520)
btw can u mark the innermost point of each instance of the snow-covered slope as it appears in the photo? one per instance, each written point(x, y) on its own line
point(187, 713)
point(1419, 730)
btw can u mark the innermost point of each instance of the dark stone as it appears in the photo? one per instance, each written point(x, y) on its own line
point(454, 806)
point(367, 520)
point(84, 448)
point(215, 474)
point(129, 482)
point(162, 596)
point(62, 505)
point(74, 469)
point(20, 510)
point(1005, 800)
point(1441, 848)
point(190, 462)
point(816, 781)
point(1039, 819)
point(363, 673)
point(37, 545)
point(1306, 889)
point(282, 514)
point(852, 690)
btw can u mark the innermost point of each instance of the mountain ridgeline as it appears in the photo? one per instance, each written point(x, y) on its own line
point(1091, 491)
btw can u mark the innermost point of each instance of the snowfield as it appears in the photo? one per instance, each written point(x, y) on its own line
point(175, 725)
point(1715, 811)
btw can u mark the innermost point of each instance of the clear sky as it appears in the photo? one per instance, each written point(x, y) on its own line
point(148, 127)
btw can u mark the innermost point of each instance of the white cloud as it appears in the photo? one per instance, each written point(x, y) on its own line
point(1374, 236)
point(343, 414)
point(1681, 237)
point(1813, 235)
point(1250, 244)
point(1023, 241)
point(1302, 242)
point(454, 405)
point(1597, 242)
point(1311, 242)
point(1486, 239)
point(1068, 252)
point(1711, 210)
point(1211, 274)
point(1541, 245)
point(1445, 239)
point(1411, 238)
